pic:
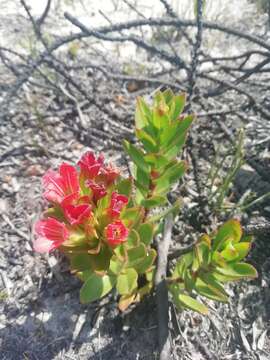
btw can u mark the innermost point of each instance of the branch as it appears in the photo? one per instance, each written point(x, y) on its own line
point(181, 251)
point(169, 9)
point(176, 60)
point(195, 51)
point(162, 291)
point(43, 16)
point(173, 22)
point(21, 80)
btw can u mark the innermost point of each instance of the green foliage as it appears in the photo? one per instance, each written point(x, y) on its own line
point(162, 131)
point(214, 260)
point(96, 286)
point(129, 266)
point(220, 184)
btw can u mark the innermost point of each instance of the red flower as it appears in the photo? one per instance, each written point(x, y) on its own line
point(109, 174)
point(77, 214)
point(98, 190)
point(116, 233)
point(117, 203)
point(59, 184)
point(51, 233)
point(70, 200)
point(75, 199)
point(89, 165)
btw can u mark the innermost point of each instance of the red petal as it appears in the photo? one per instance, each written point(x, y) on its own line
point(77, 214)
point(69, 178)
point(118, 202)
point(89, 165)
point(53, 186)
point(98, 190)
point(70, 199)
point(43, 245)
point(116, 233)
point(52, 229)
point(50, 234)
point(109, 174)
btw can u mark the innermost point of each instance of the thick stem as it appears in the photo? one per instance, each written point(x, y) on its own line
point(162, 291)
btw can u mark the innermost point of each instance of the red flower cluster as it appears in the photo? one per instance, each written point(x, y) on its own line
point(116, 233)
point(74, 195)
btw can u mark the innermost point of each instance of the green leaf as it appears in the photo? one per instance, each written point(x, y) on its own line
point(139, 195)
point(168, 135)
point(229, 253)
point(154, 201)
point(124, 187)
point(218, 259)
point(136, 255)
point(170, 176)
point(237, 271)
point(182, 264)
point(211, 289)
point(81, 262)
point(103, 204)
point(98, 262)
point(176, 289)
point(209, 279)
point(116, 265)
point(142, 183)
point(175, 149)
point(147, 262)
point(150, 275)
point(133, 239)
point(136, 156)
point(158, 97)
point(120, 252)
point(146, 232)
point(189, 281)
point(143, 114)
point(174, 136)
point(143, 190)
point(180, 102)
point(160, 116)
point(127, 281)
point(192, 304)
point(146, 289)
point(242, 249)
point(206, 254)
point(95, 287)
point(84, 275)
point(173, 209)
point(168, 96)
point(131, 216)
point(157, 161)
point(101, 261)
point(142, 179)
point(231, 230)
point(196, 262)
point(149, 143)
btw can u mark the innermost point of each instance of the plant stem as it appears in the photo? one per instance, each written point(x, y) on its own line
point(162, 291)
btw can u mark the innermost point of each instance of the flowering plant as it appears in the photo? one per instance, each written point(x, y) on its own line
point(105, 223)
